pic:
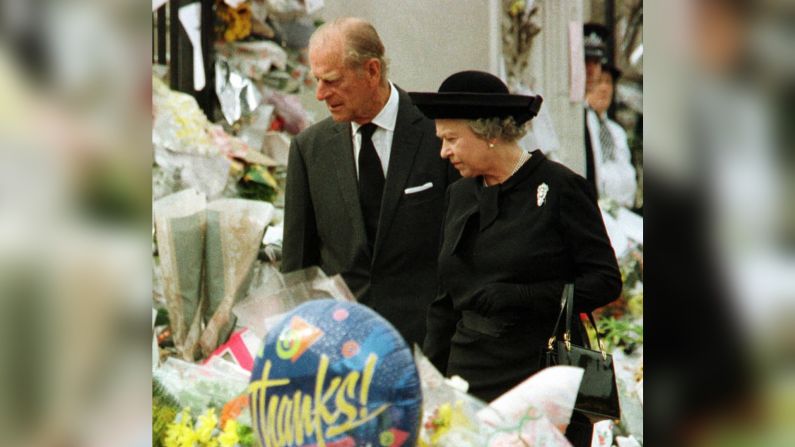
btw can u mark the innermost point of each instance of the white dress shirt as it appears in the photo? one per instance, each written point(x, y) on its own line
point(382, 137)
point(614, 178)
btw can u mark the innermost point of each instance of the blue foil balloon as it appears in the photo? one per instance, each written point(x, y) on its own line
point(337, 374)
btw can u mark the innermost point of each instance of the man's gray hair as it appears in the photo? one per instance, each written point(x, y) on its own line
point(360, 42)
point(504, 128)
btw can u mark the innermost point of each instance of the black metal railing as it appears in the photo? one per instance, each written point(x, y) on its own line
point(171, 47)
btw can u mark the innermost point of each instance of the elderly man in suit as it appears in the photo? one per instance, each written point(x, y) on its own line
point(366, 187)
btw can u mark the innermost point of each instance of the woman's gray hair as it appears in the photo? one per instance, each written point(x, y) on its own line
point(503, 128)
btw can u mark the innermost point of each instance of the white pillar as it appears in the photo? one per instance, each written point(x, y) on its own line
point(549, 76)
point(495, 37)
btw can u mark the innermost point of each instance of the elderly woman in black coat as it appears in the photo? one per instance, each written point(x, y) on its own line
point(518, 227)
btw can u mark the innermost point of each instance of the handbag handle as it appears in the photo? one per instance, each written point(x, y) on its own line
point(567, 304)
point(565, 300)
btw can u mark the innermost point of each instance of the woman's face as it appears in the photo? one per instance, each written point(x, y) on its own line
point(468, 153)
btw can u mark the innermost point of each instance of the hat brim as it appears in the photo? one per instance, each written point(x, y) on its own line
point(594, 53)
point(476, 105)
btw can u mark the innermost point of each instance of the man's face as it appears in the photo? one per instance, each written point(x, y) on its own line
point(593, 70)
point(348, 92)
point(602, 94)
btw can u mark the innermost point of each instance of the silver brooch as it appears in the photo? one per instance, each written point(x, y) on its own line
point(541, 196)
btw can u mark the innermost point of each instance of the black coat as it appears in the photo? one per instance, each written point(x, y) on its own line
point(323, 223)
point(499, 239)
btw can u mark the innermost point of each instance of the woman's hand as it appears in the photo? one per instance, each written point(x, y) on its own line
point(498, 296)
point(539, 298)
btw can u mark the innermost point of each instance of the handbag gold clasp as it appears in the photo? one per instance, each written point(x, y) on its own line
point(567, 341)
point(550, 343)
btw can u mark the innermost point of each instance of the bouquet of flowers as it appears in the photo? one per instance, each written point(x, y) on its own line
point(535, 412)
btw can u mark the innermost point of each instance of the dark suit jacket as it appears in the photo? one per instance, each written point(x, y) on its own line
point(590, 169)
point(324, 224)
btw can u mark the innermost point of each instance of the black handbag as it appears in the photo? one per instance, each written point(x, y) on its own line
point(597, 398)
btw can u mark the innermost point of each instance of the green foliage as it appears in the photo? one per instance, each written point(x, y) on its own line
point(257, 183)
point(635, 304)
point(162, 318)
point(621, 333)
point(246, 435)
point(631, 266)
point(164, 411)
point(161, 417)
point(161, 396)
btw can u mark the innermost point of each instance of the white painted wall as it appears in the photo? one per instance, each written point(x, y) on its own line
point(425, 40)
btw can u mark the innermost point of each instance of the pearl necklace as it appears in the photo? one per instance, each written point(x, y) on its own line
point(523, 157)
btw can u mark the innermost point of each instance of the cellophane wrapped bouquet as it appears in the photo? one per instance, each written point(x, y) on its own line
point(534, 413)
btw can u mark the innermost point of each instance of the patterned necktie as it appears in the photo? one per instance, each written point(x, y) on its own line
point(371, 182)
point(606, 140)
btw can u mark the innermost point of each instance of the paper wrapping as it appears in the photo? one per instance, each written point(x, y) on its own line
point(551, 392)
point(285, 10)
point(296, 33)
point(276, 294)
point(253, 59)
point(191, 152)
point(290, 109)
point(541, 134)
point(208, 174)
point(199, 387)
point(234, 232)
point(276, 145)
point(187, 154)
point(624, 228)
point(535, 412)
point(236, 93)
point(449, 414)
point(253, 134)
point(179, 124)
point(180, 223)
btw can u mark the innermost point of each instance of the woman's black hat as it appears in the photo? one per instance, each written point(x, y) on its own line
point(476, 94)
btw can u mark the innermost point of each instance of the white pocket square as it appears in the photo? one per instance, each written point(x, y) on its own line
point(416, 189)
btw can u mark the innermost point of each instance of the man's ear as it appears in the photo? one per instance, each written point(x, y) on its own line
point(373, 69)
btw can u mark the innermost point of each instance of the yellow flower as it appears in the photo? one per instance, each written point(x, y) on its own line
point(183, 419)
point(517, 8)
point(441, 423)
point(237, 21)
point(229, 437)
point(445, 413)
point(179, 435)
point(205, 425)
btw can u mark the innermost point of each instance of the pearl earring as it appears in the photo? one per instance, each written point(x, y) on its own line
point(491, 145)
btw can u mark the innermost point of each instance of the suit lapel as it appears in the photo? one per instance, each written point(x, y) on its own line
point(405, 144)
point(340, 147)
